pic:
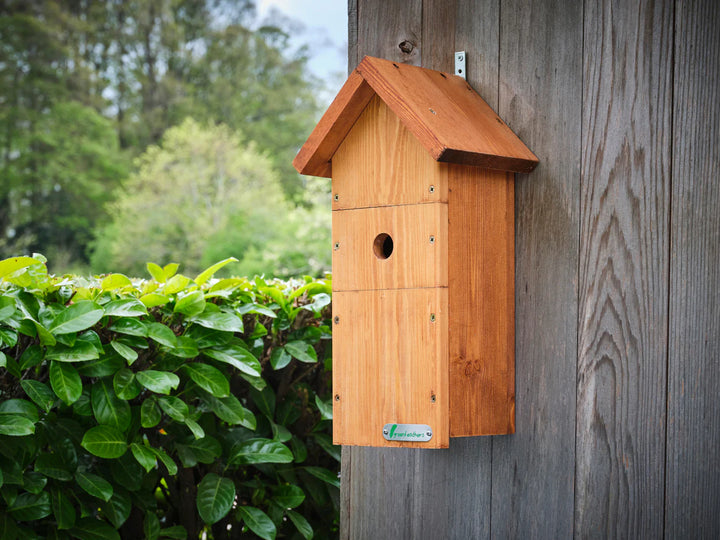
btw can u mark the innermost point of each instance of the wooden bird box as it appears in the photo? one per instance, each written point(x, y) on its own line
point(423, 257)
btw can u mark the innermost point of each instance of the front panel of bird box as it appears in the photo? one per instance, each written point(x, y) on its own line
point(390, 367)
point(390, 247)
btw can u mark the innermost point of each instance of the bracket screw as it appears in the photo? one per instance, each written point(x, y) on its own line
point(336, 319)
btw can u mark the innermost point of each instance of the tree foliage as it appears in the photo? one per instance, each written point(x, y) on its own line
point(85, 86)
point(205, 194)
point(164, 408)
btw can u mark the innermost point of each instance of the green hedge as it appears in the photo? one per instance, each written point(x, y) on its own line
point(164, 408)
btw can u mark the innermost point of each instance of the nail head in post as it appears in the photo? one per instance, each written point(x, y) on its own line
point(460, 64)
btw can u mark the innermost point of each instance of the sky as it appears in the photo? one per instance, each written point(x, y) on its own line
point(322, 25)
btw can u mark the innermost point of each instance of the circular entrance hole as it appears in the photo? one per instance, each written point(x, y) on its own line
point(383, 246)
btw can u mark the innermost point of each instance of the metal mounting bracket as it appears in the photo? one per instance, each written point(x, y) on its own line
point(460, 64)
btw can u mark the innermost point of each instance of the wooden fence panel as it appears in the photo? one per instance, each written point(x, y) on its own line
point(540, 90)
point(692, 506)
point(624, 269)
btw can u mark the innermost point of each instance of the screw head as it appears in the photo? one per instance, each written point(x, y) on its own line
point(385, 431)
point(432, 317)
point(432, 239)
point(336, 246)
point(432, 189)
point(433, 398)
point(336, 197)
point(432, 111)
point(428, 433)
point(336, 319)
point(337, 397)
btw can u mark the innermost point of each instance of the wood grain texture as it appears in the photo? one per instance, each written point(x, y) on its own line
point(381, 163)
point(481, 273)
point(352, 35)
point(692, 504)
point(384, 26)
point(447, 116)
point(393, 371)
point(623, 300)
point(540, 98)
point(419, 258)
point(315, 155)
point(438, 30)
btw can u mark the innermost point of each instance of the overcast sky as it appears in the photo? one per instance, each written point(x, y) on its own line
point(323, 29)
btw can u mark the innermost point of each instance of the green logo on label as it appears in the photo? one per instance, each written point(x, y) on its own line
point(408, 432)
point(392, 431)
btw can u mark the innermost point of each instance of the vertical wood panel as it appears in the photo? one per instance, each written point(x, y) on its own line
point(623, 269)
point(692, 506)
point(384, 26)
point(540, 99)
point(438, 32)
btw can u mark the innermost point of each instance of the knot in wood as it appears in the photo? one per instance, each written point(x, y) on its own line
point(406, 46)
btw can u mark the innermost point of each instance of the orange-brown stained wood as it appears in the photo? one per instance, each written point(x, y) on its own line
point(315, 155)
point(414, 254)
point(448, 118)
point(381, 163)
point(389, 360)
point(481, 301)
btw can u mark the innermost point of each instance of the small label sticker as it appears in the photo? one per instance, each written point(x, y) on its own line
point(407, 432)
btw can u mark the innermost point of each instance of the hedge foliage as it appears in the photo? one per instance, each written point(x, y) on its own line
point(164, 408)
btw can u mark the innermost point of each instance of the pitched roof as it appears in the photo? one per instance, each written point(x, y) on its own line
point(445, 114)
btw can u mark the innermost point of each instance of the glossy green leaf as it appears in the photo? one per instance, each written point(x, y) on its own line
point(258, 522)
point(176, 284)
point(162, 334)
point(230, 410)
point(208, 378)
point(65, 382)
point(324, 441)
point(129, 326)
point(174, 407)
point(218, 320)
point(22, 407)
point(325, 408)
point(144, 456)
point(237, 357)
point(77, 317)
point(190, 304)
point(63, 509)
point(31, 357)
point(39, 393)
point(12, 265)
point(8, 527)
point(209, 272)
point(215, 496)
point(302, 351)
point(115, 281)
point(170, 465)
point(94, 485)
point(160, 382)
point(81, 351)
point(325, 475)
point(117, 509)
point(105, 442)
point(130, 355)
point(265, 400)
point(205, 450)
point(44, 335)
point(154, 299)
point(185, 347)
point(288, 496)
point(7, 307)
point(197, 430)
point(93, 529)
point(34, 482)
point(52, 466)
point(176, 531)
point(31, 507)
point(301, 524)
point(280, 358)
point(107, 407)
point(150, 413)
point(260, 451)
point(151, 526)
point(156, 272)
point(125, 307)
point(125, 385)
